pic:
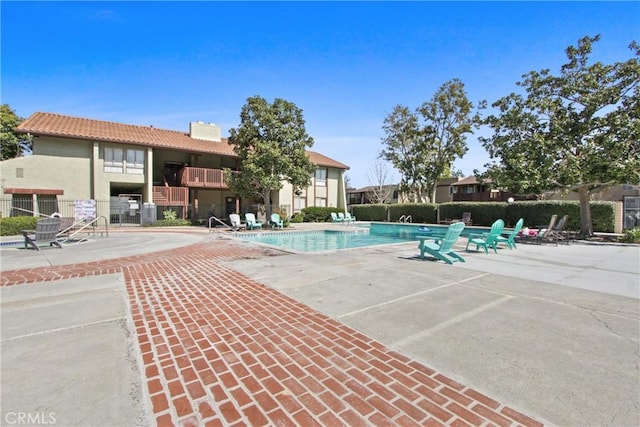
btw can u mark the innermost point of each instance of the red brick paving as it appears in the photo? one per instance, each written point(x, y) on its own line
point(221, 349)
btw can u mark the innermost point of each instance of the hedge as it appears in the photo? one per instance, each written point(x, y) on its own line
point(13, 226)
point(535, 213)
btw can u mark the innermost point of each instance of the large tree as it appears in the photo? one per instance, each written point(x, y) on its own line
point(405, 149)
point(11, 144)
point(423, 144)
point(578, 130)
point(271, 141)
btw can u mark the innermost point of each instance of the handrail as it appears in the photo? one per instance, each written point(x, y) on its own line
point(405, 218)
point(31, 212)
point(215, 218)
point(92, 224)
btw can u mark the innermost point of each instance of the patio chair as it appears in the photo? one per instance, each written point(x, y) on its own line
point(335, 218)
point(509, 237)
point(558, 232)
point(236, 224)
point(251, 221)
point(487, 240)
point(544, 232)
point(46, 232)
point(276, 221)
point(466, 219)
point(443, 250)
point(349, 218)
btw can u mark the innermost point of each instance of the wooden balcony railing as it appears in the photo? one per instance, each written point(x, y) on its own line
point(202, 178)
point(170, 196)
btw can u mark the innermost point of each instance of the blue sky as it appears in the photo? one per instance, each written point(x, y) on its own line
point(345, 64)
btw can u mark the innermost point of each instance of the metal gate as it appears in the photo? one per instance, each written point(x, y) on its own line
point(631, 212)
point(125, 209)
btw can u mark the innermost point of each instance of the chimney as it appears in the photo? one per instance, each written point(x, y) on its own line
point(205, 131)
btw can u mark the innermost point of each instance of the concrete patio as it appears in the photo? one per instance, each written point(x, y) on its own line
point(539, 335)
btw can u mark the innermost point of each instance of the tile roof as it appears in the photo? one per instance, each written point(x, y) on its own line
point(470, 180)
point(51, 124)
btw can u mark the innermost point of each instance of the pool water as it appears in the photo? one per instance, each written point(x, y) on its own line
point(330, 240)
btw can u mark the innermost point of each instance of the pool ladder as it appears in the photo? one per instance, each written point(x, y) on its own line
point(405, 218)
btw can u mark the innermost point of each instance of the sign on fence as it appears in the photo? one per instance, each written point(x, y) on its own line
point(85, 209)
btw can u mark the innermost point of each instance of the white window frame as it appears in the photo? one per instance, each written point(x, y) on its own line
point(321, 202)
point(135, 162)
point(299, 202)
point(113, 160)
point(321, 177)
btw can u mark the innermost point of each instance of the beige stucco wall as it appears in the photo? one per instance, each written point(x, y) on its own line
point(71, 174)
point(333, 191)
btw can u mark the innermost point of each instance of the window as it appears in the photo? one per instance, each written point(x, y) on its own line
point(299, 203)
point(22, 205)
point(113, 160)
point(47, 204)
point(135, 162)
point(321, 202)
point(321, 177)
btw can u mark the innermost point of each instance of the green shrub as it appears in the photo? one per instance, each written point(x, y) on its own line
point(377, 212)
point(482, 213)
point(169, 223)
point(13, 226)
point(631, 236)
point(319, 214)
point(169, 215)
point(537, 213)
point(419, 212)
point(297, 217)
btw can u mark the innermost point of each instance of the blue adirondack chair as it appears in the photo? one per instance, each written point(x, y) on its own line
point(509, 237)
point(252, 223)
point(487, 240)
point(276, 221)
point(443, 250)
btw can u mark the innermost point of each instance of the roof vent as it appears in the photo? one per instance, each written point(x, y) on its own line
point(205, 131)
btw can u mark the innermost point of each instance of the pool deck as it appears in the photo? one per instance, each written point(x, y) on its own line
point(187, 327)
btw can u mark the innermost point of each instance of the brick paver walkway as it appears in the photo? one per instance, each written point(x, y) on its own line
point(220, 349)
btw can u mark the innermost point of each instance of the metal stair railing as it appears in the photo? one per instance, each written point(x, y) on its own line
point(87, 230)
point(405, 218)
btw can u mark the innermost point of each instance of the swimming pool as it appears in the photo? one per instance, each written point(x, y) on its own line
point(372, 234)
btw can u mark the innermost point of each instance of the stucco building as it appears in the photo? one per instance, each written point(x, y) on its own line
point(126, 167)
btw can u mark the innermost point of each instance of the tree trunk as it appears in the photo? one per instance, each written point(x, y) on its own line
point(586, 225)
point(266, 196)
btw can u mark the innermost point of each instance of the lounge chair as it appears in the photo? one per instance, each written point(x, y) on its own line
point(335, 218)
point(509, 237)
point(236, 224)
point(545, 233)
point(466, 219)
point(558, 232)
point(251, 221)
point(276, 221)
point(341, 217)
point(487, 240)
point(349, 218)
point(443, 250)
point(46, 231)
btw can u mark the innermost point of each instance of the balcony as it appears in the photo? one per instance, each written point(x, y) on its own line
point(170, 196)
point(202, 178)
